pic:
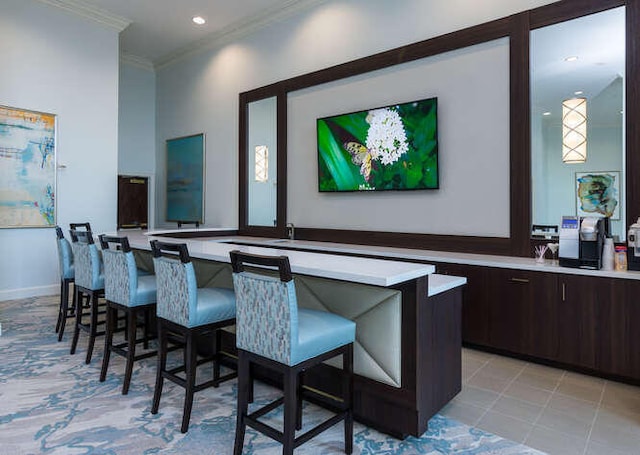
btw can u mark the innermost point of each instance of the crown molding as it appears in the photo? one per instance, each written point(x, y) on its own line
point(85, 10)
point(134, 60)
point(236, 31)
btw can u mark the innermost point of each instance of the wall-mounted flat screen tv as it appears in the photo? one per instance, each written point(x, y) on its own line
point(387, 148)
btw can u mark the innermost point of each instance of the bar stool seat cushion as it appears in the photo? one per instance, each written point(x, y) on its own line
point(146, 292)
point(69, 273)
point(143, 272)
point(214, 304)
point(306, 333)
point(320, 332)
point(126, 285)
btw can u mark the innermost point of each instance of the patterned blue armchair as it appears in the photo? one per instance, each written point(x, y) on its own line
point(273, 332)
point(189, 312)
point(89, 282)
point(67, 275)
point(130, 292)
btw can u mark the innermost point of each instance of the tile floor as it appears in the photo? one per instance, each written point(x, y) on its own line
point(556, 411)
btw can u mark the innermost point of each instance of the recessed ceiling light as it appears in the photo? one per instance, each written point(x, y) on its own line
point(578, 92)
point(546, 113)
point(572, 58)
point(198, 20)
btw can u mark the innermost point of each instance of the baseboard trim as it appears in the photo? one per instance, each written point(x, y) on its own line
point(22, 293)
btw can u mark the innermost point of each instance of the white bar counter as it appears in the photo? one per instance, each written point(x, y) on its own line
point(377, 272)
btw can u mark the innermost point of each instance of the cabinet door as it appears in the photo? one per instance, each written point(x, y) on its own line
point(523, 312)
point(618, 330)
point(475, 307)
point(577, 318)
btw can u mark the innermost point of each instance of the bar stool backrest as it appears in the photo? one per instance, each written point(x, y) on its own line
point(266, 306)
point(120, 270)
point(80, 226)
point(65, 255)
point(88, 261)
point(177, 289)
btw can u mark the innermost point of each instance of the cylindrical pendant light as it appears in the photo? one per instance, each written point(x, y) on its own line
point(574, 130)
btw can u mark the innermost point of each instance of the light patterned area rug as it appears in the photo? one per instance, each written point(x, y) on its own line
point(53, 403)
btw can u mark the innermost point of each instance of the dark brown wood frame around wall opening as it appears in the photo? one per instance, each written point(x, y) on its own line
point(517, 28)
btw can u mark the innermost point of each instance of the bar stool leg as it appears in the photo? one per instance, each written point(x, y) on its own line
point(216, 359)
point(76, 330)
point(146, 329)
point(244, 384)
point(93, 326)
point(112, 316)
point(162, 364)
point(65, 312)
point(299, 403)
point(62, 305)
point(190, 379)
point(290, 410)
point(132, 316)
point(347, 368)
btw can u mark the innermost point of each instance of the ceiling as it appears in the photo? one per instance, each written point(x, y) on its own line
point(598, 41)
point(155, 31)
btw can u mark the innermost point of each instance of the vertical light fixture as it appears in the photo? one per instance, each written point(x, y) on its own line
point(262, 163)
point(574, 130)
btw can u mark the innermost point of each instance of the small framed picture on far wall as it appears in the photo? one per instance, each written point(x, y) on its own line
point(598, 194)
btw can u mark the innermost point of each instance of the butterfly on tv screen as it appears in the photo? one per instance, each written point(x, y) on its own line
point(361, 156)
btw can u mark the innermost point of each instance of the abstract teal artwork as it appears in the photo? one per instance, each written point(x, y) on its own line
point(598, 194)
point(185, 179)
point(27, 168)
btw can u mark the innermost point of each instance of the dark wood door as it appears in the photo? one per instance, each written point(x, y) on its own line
point(619, 328)
point(580, 297)
point(132, 202)
point(475, 301)
point(523, 312)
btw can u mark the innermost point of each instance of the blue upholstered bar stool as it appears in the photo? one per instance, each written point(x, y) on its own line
point(272, 332)
point(188, 313)
point(89, 282)
point(67, 275)
point(125, 290)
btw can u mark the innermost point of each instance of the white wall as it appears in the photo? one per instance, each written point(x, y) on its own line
point(472, 87)
point(199, 93)
point(56, 62)
point(137, 126)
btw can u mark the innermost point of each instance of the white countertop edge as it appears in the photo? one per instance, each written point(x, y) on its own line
point(185, 230)
point(442, 283)
point(485, 260)
point(377, 272)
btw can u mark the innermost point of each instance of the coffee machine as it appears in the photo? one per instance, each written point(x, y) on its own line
point(581, 241)
point(633, 246)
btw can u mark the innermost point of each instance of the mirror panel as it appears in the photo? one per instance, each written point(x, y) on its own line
point(580, 58)
point(262, 162)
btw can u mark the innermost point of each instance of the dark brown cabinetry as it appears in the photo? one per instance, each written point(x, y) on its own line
point(577, 321)
point(618, 352)
point(577, 309)
point(523, 312)
point(475, 311)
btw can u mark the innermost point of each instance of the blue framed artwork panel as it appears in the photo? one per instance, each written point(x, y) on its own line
point(185, 179)
point(27, 168)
